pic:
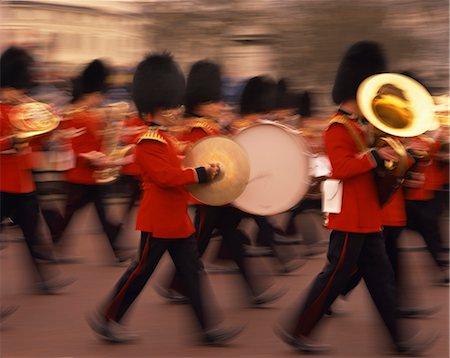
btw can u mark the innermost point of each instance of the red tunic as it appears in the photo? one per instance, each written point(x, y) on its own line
point(138, 129)
point(163, 210)
point(361, 212)
point(90, 140)
point(426, 191)
point(393, 212)
point(198, 128)
point(15, 165)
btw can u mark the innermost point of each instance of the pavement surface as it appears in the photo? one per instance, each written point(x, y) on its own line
point(55, 325)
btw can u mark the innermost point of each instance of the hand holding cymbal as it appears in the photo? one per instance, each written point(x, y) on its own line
point(213, 170)
point(227, 166)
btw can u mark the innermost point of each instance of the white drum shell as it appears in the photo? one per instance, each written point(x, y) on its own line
point(279, 169)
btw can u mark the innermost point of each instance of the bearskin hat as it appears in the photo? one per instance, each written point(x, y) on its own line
point(362, 59)
point(15, 64)
point(204, 84)
point(285, 98)
point(305, 104)
point(258, 96)
point(92, 79)
point(158, 83)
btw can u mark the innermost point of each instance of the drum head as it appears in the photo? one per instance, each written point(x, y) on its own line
point(279, 169)
point(234, 174)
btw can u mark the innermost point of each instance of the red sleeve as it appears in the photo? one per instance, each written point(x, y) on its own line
point(345, 159)
point(156, 163)
point(6, 143)
point(194, 135)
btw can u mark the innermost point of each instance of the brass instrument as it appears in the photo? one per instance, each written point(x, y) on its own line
point(234, 169)
point(32, 118)
point(114, 114)
point(397, 106)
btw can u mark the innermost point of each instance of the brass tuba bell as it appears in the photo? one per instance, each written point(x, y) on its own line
point(397, 106)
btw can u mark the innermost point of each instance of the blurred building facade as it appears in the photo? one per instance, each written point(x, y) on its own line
point(301, 40)
point(74, 32)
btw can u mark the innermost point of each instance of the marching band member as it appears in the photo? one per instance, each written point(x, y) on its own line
point(422, 214)
point(81, 184)
point(356, 241)
point(17, 188)
point(158, 92)
point(204, 106)
point(257, 101)
point(132, 131)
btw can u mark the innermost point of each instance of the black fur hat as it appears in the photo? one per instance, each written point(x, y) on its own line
point(158, 83)
point(258, 96)
point(285, 98)
point(15, 64)
point(204, 84)
point(92, 79)
point(363, 59)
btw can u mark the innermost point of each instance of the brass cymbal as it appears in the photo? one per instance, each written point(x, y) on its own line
point(234, 170)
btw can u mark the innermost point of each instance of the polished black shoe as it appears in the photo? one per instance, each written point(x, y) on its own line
point(123, 255)
point(52, 286)
point(7, 311)
point(442, 281)
point(171, 296)
point(292, 266)
point(268, 296)
point(258, 251)
point(224, 268)
point(221, 336)
point(109, 330)
point(301, 344)
point(416, 345)
point(287, 241)
point(416, 312)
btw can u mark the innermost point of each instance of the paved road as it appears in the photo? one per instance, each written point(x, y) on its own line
point(55, 326)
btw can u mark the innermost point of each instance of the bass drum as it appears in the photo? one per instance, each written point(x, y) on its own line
point(279, 169)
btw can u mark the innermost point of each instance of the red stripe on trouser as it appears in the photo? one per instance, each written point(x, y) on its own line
point(310, 315)
point(115, 304)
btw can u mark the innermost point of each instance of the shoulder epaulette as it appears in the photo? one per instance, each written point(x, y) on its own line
point(152, 134)
point(360, 143)
point(204, 124)
point(242, 123)
point(74, 110)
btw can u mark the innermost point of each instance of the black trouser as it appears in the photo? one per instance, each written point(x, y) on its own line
point(306, 204)
point(23, 209)
point(133, 189)
point(226, 220)
point(423, 218)
point(347, 251)
point(78, 196)
point(391, 236)
point(184, 255)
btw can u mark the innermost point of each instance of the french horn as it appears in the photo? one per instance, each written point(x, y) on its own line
point(31, 119)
